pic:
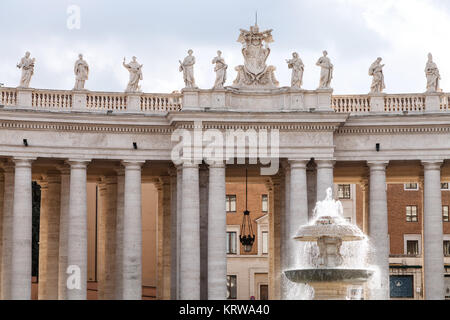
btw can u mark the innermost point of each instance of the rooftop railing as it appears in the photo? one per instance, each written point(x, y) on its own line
point(92, 101)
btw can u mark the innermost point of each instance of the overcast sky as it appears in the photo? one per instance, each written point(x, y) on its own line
point(354, 32)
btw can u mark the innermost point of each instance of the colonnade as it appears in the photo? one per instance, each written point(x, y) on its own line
point(64, 219)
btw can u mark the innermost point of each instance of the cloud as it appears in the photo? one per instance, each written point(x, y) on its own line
point(354, 32)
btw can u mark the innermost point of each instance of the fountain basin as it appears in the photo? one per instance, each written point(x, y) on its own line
point(331, 284)
point(328, 275)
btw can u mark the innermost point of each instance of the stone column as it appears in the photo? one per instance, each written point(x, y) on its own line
point(174, 234)
point(164, 239)
point(283, 229)
point(190, 234)
point(433, 232)
point(217, 236)
point(298, 213)
point(378, 226)
point(366, 203)
point(119, 234)
point(63, 233)
point(76, 273)
point(275, 188)
point(203, 200)
point(179, 217)
point(132, 232)
point(2, 192)
point(107, 238)
point(311, 181)
point(21, 231)
point(324, 177)
point(8, 205)
point(49, 236)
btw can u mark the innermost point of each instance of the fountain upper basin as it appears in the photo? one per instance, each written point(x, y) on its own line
point(329, 226)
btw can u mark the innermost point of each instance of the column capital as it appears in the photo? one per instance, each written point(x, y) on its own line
point(216, 164)
point(23, 162)
point(132, 164)
point(64, 169)
point(189, 164)
point(78, 163)
point(432, 164)
point(297, 164)
point(378, 165)
point(325, 163)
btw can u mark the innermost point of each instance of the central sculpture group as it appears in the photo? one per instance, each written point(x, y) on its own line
point(253, 74)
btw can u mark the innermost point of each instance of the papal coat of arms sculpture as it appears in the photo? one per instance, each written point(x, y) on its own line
point(255, 73)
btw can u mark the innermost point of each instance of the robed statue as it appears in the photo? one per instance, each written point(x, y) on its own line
point(27, 66)
point(135, 70)
point(376, 71)
point(187, 67)
point(432, 74)
point(297, 66)
point(221, 70)
point(81, 70)
point(326, 72)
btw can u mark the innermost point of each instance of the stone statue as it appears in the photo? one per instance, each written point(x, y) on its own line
point(326, 73)
point(255, 73)
point(187, 67)
point(27, 66)
point(433, 76)
point(221, 70)
point(376, 70)
point(297, 66)
point(81, 71)
point(135, 70)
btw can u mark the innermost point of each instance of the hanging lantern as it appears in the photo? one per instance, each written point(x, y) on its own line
point(247, 237)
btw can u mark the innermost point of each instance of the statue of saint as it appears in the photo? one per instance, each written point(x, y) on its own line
point(326, 73)
point(221, 70)
point(135, 70)
point(27, 66)
point(81, 71)
point(187, 67)
point(376, 70)
point(297, 66)
point(433, 76)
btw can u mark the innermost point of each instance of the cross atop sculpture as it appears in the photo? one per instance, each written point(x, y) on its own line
point(255, 73)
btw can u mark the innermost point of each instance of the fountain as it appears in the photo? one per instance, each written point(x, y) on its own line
point(325, 268)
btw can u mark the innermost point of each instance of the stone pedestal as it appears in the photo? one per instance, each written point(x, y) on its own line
point(191, 101)
point(24, 98)
point(376, 102)
point(433, 102)
point(134, 102)
point(79, 100)
point(324, 100)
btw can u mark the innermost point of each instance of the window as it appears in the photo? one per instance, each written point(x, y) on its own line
point(231, 287)
point(231, 203)
point(446, 248)
point(231, 243)
point(445, 214)
point(411, 214)
point(412, 247)
point(411, 186)
point(444, 186)
point(402, 286)
point(264, 203)
point(344, 191)
point(265, 242)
